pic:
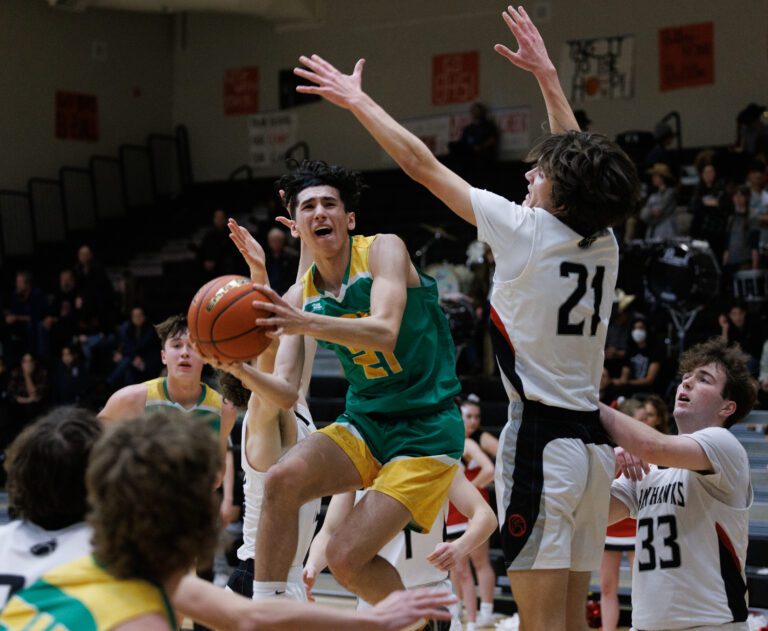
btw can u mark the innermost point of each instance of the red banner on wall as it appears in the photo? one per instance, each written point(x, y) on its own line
point(686, 56)
point(77, 116)
point(455, 78)
point(241, 91)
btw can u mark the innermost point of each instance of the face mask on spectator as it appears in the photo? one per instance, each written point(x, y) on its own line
point(638, 335)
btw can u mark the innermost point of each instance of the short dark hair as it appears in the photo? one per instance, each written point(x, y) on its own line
point(739, 387)
point(171, 327)
point(594, 183)
point(318, 173)
point(233, 389)
point(46, 468)
point(150, 484)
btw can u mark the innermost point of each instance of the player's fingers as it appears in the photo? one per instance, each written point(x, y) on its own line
point(324, 65)
point(309, 76)
point(358, 71)
point(506, 52)
point(312, 89)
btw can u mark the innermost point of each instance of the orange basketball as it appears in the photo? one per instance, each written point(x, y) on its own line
point(222, 320)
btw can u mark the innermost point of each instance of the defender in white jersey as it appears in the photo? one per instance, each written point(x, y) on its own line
point(692, 510)
point(556, 263)
point(421, 560)
point(46, 485)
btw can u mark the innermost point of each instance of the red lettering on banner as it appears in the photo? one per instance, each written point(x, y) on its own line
point(686, 56)
point(455, 78)
point(77, 116)
point(241, 91)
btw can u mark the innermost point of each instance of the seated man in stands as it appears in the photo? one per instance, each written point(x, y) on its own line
point(143, 553)
point(693, 509)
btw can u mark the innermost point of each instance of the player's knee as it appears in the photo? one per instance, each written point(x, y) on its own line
point(608, 583)
point(282, 484)
point(342, 561)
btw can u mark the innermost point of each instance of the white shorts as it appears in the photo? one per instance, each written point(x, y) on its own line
point(553, 477)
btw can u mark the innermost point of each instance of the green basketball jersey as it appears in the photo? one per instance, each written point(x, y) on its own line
point(420, 376)
point(208, 406)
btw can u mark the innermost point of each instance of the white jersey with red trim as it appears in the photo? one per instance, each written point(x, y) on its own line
point(550, 302)
point(253, 490)
point(692, 535)
point(28, 551)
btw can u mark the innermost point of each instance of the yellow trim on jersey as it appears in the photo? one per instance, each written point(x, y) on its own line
point(358, 268)
point(82, 593)
point(157, 394)
point(419, 483)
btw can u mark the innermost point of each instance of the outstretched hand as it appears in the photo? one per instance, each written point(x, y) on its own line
point(630, 465)
point(334, 86)
point(403, 608)
point(252, 252)
point(531, 54)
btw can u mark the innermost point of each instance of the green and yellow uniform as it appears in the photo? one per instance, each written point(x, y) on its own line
point(208, 406)
point(81, 596)
point(400, 426)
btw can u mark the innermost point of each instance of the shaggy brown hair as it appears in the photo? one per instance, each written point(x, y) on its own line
point(233, 389)
point(171, 327)
point(150, 484)
point(739, 387)
point(46, 468)
point(594, 183)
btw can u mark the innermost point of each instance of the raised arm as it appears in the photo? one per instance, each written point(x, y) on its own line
point(532, 56)
point(652, 446)
point(413, 156)
point(482, 522)
point(390, 268)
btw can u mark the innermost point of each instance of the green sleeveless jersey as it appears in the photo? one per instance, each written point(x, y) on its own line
point(208, 406)
point(420, 376)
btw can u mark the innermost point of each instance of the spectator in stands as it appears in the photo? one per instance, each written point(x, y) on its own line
point(619, 540)
point(478, 145)
point(659, 153)
point(752, 138)
point(59, 327)
point(741, 238)
point(739, 328)
point(478, 469)
point(758, 199)
point(27, 394)
point(70, 378)
point(642, 362)
point(282, 262)
point(763, 377)
point(659, 210)
point(657, 413)
point(216, 253)
point(609, 392)
point(618, 332)
point(94, 286)
point(709, 206)
point(137, 353)
point(93, 335)
point(26, 310)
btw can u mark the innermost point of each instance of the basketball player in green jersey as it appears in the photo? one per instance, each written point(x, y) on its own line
point(182, 390)
point(401, 435)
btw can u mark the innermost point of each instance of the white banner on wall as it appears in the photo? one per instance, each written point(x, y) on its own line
point(596, 69)
point(440, 130)
point(270, 135)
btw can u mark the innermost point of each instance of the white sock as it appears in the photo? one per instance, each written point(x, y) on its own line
point(486, 609)
point(269, 589)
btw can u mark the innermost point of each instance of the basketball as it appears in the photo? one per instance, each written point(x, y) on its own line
point(222, 320)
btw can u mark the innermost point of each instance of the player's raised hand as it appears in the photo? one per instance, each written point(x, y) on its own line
point(531, 54)
point(400, 609)
point(285, 319)
point(334, 86)
point(251, 250)
point(445, 556)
